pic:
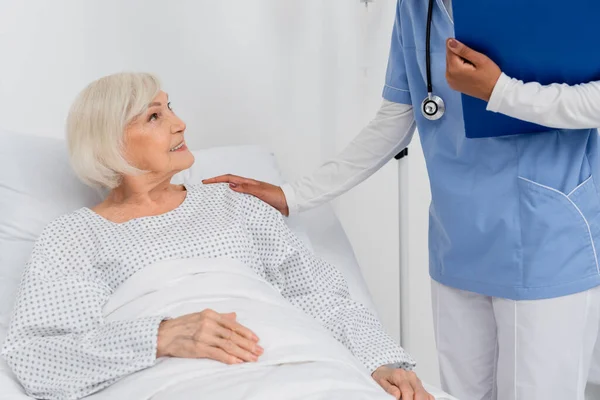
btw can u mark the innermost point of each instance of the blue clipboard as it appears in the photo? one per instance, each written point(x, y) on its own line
point(545, 41)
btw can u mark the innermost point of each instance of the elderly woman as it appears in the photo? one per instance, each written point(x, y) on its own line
point(124, 136)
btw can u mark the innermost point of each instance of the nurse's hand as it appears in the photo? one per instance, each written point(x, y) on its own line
point(469, 71)
point(401, 384)
point(270, 194)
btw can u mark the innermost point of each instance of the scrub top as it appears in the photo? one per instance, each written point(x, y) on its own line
point(516, 217)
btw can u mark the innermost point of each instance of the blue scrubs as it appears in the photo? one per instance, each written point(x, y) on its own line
point(516, 217)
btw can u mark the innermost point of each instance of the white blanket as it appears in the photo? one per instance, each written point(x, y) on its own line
point(301, 359)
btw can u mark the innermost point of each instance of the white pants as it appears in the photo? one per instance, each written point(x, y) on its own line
point(595, 368)
point(491, 348)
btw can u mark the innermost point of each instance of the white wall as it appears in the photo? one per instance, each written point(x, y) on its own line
point(237, 71)
point(302, 76)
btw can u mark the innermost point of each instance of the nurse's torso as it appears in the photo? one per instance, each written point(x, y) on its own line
point(515, 217)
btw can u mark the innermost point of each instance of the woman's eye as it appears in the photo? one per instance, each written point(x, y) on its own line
point(169, 106)
point(153, 117)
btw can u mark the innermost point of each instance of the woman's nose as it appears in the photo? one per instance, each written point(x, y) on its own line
point(178, 126)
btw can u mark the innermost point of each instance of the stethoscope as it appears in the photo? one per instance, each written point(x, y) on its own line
point(433, 107)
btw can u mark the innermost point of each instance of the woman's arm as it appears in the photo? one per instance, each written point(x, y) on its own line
point(319, 289)
point(385, 136)
point(59, 345)
point(557, 105)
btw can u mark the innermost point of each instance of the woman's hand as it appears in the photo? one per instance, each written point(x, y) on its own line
point(208, 334)
point(470, 72)
point(270, 194)
point(401, 384)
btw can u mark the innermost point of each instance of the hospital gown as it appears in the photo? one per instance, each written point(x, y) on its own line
point(60, 347)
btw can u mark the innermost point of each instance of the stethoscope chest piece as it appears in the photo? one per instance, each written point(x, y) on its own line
point(433, 107)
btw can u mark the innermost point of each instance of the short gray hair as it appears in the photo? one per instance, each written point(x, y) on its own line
point(97, 122)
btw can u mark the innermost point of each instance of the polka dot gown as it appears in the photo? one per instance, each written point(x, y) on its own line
point(58, 344)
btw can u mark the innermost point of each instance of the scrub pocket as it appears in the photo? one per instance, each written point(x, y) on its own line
point(557, 233)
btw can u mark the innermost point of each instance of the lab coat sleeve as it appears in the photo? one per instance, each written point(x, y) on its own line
point(59, 345)
point(384, 137)
point(557, 106)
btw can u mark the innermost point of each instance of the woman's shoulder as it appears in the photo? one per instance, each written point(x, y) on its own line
point(214, 191)
point(78, 220)
point(221, 192)
point(201, 187)
point(62, 247)
point(68, 234)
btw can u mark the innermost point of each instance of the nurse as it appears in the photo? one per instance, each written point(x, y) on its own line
point(514, 221)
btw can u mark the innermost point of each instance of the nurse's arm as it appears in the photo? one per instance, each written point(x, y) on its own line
point(385, 136)
point(557, 105)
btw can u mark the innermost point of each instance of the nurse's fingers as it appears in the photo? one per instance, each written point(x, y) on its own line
point(466, 52)
point(456, 64)
point(270, 194)
point(226, 179)
point(238, 184)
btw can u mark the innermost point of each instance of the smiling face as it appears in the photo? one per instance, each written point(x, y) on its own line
point(154, 141)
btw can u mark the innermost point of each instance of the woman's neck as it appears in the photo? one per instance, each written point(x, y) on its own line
point(125, 203)
point(140, 192)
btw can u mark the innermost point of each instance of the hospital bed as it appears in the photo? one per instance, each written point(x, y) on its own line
point(37, 185)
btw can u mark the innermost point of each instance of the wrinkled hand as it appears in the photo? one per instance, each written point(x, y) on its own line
point(270, 194)
point(208, 334)
point(401, 384)
point(470, 72)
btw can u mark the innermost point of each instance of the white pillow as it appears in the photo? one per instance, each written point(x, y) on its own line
point(37, 185)
point(251, 161)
